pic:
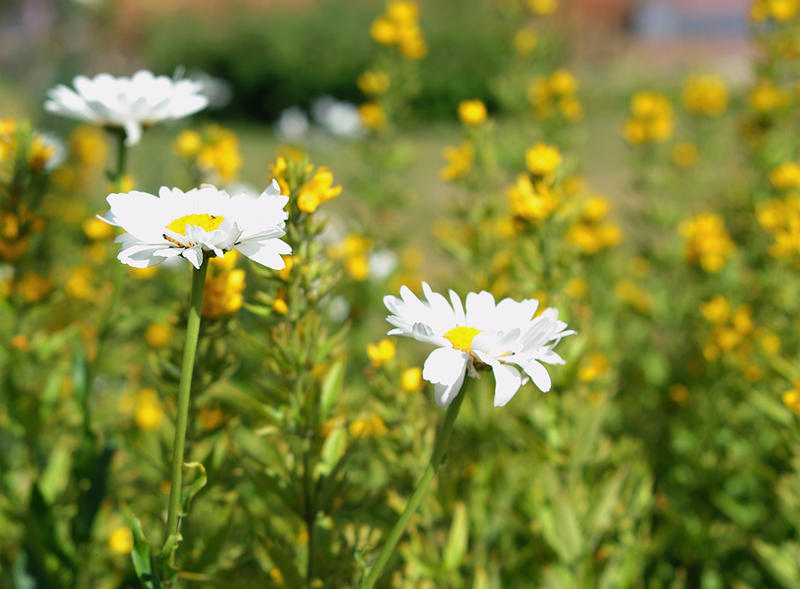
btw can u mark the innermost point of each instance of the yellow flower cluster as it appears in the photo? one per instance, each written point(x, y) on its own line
point(781, 218)
point(120, 541)
point(634, 295)
point(778, 10)
point(17, 141)
point(224, 286)
point(543, 7)
point(373, 116)
point(411, 379)
point(556, 93)
point(786, 176)
point(214, 152)
point(532, 200)
point(317, 190)
point(652, 119)
point(373, 82)
point(158, 335)
point(707, 241)
point(591, 232)
point(16, 230)
point(381, 352)
point(148, 412)
point(705, 94)
point(398, 27)
point(684, 154)
point(596, 366)
point(33, 287)
point(79, 284)
point(352, 251)
point(369, 426)
point(732, 330)
point(88, 146)
point(765, 97)
point(459, 161)
point(472, 112)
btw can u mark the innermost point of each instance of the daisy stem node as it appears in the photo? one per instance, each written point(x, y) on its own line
point(437, 457)
point(184, 391)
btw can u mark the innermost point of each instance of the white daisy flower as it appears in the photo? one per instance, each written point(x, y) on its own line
point(503, 336)
point(127, 103)
point(204, 219)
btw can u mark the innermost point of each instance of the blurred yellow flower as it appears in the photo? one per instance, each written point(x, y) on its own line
point(370, 426)
point(95, 229)
point(79, 284)
point(562, 82)
point(383, 31)
point(148, 413)
point(684, 154)
point(770, 343)
point(532, 201)
point(783, 10)
point(280, 306)
point(472, 112)
point(34, 287)
point(705, 94)
point(543, 7)
point(542, 159)
point(679, 394)
point(373, 82)
point(791, 399)
point(223, 293)
point(210, 418)
point(188, 144)
point(88, 145)
point(652, 119)
point(411, 379)
point(317, 191)
point(525, 41)
point(576, 288)
point(120, 541)
point(786, 176)
point(596, 366)
point(717, 310)
point(143, 273)
point(158, 335)
point(707, 241)
point(373, 115)
point(632, 294)
point(459, 161)
point(381, 353)
point(766, 97)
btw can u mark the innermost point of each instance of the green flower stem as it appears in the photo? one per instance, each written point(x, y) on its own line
point(437, 457)
point(122, 158)
point(184, 391)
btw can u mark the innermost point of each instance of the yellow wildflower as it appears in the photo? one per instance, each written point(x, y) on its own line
point(459, 161)
point(33, 287)
point(89, 146)
point(791, 399)
point(562, 82)
point(525, 41)
point(786, 176)
point(542, 159)
point(370, 426)
point(717, 310)
point(79, 285)
point(770, 343)
point(705, 94)
point(188, 144)
point(652, 119)
point(532, 201)
point(411, 379)
point(472, 112)
point(373, 115)
point(766, 97)
point(684, 154)
point(223, 293)
point(373, 82)
point(148, 413)
point(280, 306)
point(596, 366)
point(95, 229)
point(707, 241)
point(120, 541)
point(383, 31)
point(381, 353)
point(576, 288)
point(543, 7)
point(143, 273)
point(158, 335)
point(318, 190)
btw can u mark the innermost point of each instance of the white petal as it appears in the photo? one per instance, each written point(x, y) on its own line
point(445, 367)
point(538, 374)
point(194, 255)
point(507, 382)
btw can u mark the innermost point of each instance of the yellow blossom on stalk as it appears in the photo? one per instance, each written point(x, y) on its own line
point(684, 154)
point(372, 115)
point(126, 184)
point(383, 31)
point(770, 342)
point(219, 156)
point(742, 320)
point(411, 379)
point(95, 229)
point(459, 161)
point(705, 94)
point(576, 288)
point(88, 145)
point(318, 190)
point(771, 214)
point(357, 267)
point(79, 285)
point(707, 241)
point(791, 399)
point(717, 310)
point(542, 159)
point(381, 353)
point(532, 201)
point(562, 82)
point(766, 97)
point(786, 176)
point(525, 41)
point(632, 294)
point(571, 108)
point(652, 119)
point(783, 10)
point(284, 272)
point(280, 306)
point(472, 112)
point(596, 366)
point(158, 335)
point(592, 238)
point(543, 7)
point(412, 44)
point(595, 208)
point(370, 426)
point(188, 144)
point(223, 293)
point(402, 12)
point(373, 82)
point(148, 413)
point(120, 541)
point(33, 287)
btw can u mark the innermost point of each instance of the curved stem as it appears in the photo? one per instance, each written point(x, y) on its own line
point(184, 392)
point(437, 457)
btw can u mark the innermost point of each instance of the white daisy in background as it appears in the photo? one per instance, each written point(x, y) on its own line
point(127, 103)
point(202, 220)
point(502, 336)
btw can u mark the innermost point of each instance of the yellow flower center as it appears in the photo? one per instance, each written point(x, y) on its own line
point(203, 220)
point(461, 338)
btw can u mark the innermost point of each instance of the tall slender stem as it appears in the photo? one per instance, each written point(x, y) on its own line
point(122, 158)
point(437, 456)
point(184, 392)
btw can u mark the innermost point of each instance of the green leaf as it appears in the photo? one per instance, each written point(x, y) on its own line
point(782, 562)
point(332, 451)
point(456, 547)
point(142, 558)
point(189, 492)
point(331, 388)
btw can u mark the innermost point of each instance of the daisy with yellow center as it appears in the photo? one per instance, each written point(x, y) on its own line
point(202, 222)
point(502, 336)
